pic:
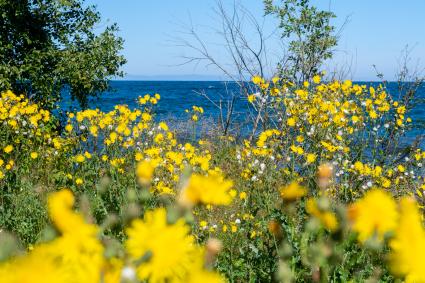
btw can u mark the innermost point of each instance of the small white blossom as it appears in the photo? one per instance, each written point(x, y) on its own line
point(128, 273)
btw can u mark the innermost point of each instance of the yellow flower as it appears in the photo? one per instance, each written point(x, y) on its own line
point(408, 245)
point(113, 270)
point(297, 149)
point(293, 191)
point(138, 156)
point(68, 128)
point(373, 114)
point(144, 171)
point(242, 195)
point(374, 214)
point(316, 79)
point(66, 258)
point(291, 122)
point(93, 130)
point(34, 155)
point(60, 211)
point(79, 158)
point(385, 182)
point(163, 126)
point(203, 224)
point(8, 149)
point(79, 181)
point(311, 157)
point(166, 250)
point(212, 189)
point(251, 98)
point(257, 80)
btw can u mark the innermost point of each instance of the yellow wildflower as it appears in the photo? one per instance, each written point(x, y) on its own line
point(408, 245)
point(293, 191)
point(8, 149)
point(144, 171)
point(291, 122)
point(374, 214)
point(212, 189)
point(168, 248)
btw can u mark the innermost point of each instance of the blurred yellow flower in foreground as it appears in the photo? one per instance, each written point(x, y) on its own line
point(293, 191)
point(167, 249)
point(144, 171)
point(212, 189)
point(408, 245)
point(75, 256)
point(374, 214)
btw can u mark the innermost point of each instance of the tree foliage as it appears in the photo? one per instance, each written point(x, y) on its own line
point(310, 33)
point(46, 45)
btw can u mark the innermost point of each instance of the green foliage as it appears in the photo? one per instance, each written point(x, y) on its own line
point(46, 45)
point(311, 35)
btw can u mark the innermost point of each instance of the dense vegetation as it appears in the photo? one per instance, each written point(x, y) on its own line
point(324, 189)
point(324, 196)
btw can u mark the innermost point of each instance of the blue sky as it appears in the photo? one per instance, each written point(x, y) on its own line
point(376, 32)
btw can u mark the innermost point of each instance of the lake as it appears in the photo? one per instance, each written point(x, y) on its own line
point(176, 96)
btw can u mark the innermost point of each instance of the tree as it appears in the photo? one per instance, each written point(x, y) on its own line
point(46, 45)
point(310, 33)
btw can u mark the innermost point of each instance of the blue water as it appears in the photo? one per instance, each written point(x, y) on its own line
point(176, 96)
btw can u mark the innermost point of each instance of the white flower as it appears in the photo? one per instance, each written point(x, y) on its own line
point(128, 273)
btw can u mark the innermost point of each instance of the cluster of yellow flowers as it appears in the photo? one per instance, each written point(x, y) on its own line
point(32, 130)
point(341, 123)
point(115, 135)
point(195, 112)
point(156, 250)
